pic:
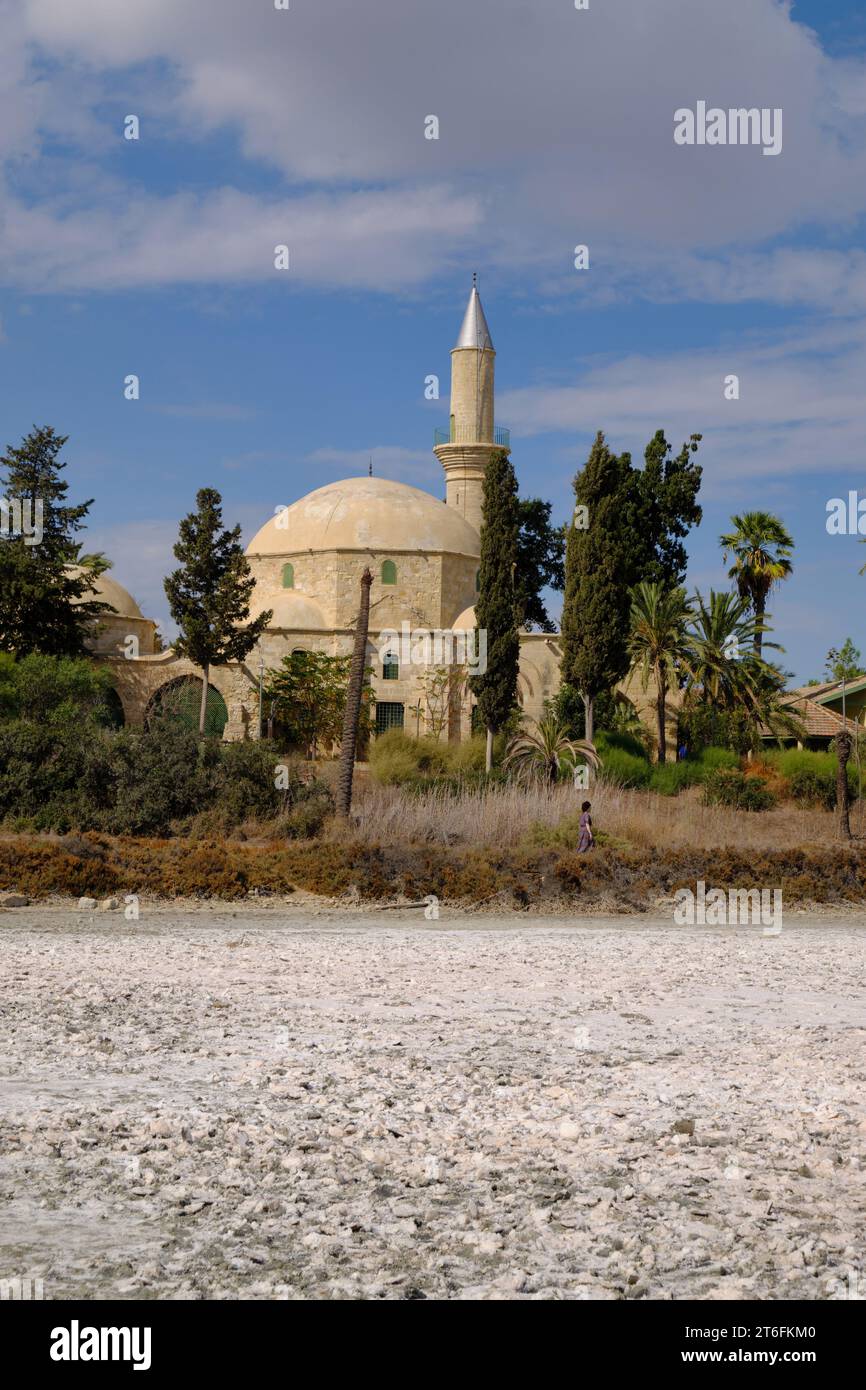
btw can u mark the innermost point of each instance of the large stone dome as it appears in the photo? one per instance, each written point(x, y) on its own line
point(366, 514)
point(107, 590)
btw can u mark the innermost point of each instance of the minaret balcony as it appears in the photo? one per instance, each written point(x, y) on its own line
point(501, 437)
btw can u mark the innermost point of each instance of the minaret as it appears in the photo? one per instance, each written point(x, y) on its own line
point(464, 449)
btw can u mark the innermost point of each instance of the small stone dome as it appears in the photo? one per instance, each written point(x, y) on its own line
point(366, 514)
point(465, 621)
point(107, 590)
point(291, 610)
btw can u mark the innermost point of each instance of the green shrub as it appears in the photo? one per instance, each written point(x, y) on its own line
point(669, 778)
point(398, 759)
point(730, 787)
point(712, 757)
point(468, 757)
point(80, 777)
point(811, 775)
point(626, 743)
point(56, 690)
point(703, 726)
point(624, 769)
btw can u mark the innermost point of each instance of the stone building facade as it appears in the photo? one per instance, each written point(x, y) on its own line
point(307, 561)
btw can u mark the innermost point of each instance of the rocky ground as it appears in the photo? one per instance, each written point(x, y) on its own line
point(263, 1103)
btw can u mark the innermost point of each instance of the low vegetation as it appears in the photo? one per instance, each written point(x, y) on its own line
point(613, 878)
point(87, 808)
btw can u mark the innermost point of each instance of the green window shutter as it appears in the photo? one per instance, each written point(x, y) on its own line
point(389, 715)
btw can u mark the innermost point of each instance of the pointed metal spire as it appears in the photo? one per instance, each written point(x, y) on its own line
point(474, 332)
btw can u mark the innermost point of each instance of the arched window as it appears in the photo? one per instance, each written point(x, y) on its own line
point(389, 572)
point(390, 666)
point(288, 576)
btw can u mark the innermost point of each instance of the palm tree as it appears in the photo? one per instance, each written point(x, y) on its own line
point(626, 720)
point(543, 752)
point(658, 645)
point(724, 666)
point(761, 547)
point(725, 673)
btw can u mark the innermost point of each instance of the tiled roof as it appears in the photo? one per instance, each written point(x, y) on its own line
point(830, 690)
point(817, 721)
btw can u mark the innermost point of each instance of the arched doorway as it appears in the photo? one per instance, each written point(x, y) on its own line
point(113, 715)
point(180, 700)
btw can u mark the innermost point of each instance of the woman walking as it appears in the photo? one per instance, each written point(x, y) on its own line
point(587, 840)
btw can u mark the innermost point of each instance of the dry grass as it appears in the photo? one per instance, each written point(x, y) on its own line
point(507, 816)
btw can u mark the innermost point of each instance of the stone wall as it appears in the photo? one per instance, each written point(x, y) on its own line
point(138, 681)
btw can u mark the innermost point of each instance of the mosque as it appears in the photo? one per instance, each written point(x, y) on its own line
point(307, 561)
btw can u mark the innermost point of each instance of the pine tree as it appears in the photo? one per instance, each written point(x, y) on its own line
point(637, 521)
point(44, 586)
point(496, 689)
point(540, 562)
point(667, 497)
point(843, 665)
point(209, 596)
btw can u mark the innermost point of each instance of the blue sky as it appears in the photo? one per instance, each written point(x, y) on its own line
point(306, 127)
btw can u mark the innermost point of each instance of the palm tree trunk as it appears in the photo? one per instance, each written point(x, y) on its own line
point(202, 714)
point(488, 754)
point(589, 717)
point(760, 608)
point(353, 701)
point(661, 692)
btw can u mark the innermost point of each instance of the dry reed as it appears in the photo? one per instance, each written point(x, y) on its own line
point(507, 815)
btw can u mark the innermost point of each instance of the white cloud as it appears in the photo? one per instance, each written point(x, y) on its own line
point(556, 127)
point(801, 408)
point(386, 239)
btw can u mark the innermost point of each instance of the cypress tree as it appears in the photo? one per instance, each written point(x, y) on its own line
point(496, 689)
point(44, 586)
point(596, 606)
point(209, 596)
